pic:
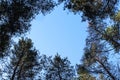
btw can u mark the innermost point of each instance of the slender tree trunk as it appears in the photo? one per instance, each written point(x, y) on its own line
point(14, 71)
point(60, 78)
point(19, 74)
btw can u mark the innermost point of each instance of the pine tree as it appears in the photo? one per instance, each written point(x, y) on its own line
point(24, 60)
point(58, 69)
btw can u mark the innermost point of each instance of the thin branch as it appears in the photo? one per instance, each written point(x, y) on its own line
point(105, 68)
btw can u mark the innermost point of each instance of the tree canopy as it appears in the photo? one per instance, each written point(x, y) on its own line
point(15, 18)
point(26, 63)
point(58, 69)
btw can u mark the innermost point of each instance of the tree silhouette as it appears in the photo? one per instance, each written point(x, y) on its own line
point(24, 60)
point(15, 18)
point(57, 68)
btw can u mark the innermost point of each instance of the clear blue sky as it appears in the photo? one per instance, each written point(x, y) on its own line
point(59, 32)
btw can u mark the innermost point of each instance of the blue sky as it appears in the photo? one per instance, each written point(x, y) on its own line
point(59, 32)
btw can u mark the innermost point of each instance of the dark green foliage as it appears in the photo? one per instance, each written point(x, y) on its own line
point(24, 60)
point(57, 68)
point(16, 15)
point(92, 9)
point(84, 74)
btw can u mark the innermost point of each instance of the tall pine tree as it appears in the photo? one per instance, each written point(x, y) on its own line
point(24, 61)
